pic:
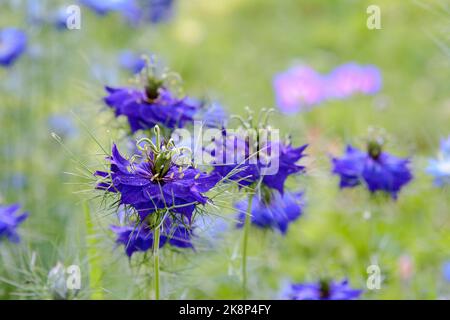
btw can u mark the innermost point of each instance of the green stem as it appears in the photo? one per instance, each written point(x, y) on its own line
point(156, 261)
point(245, 245)
point(94, 259)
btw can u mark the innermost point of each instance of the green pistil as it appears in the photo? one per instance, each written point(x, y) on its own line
point(152, 88)
point(374, 149)
point(324, 289)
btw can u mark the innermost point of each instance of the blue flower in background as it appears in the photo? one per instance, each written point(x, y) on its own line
point(275, 212)
point(214, 116)
point(159, 10)
point(9, 221)
point(13, 43)
point(62, 125)
point(156, 183)
point(323, 290)
point(440, 168)
point(151, 106)
point(378, 170)
point(140, 238)
point(446, 271)
point(132, 62)
point(127, 8)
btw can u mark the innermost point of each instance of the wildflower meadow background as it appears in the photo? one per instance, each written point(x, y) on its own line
point(376, 214)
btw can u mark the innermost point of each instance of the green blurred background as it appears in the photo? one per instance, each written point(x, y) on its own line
point(229, 50)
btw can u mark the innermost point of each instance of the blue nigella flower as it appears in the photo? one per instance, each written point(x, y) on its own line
point(13, 43)
point(275, 212)
point(323, 290)
point(132, 62)
point(378, 170)
point(9, 221)
point(156, 182)
point(155, 104)
point(440, 168)
point(141, 237)
point(245, 171)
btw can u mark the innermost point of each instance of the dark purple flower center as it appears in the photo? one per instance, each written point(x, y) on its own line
point(152, 89)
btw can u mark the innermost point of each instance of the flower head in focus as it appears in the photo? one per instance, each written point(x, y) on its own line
point(9, 221)
point(159, 180)
point(322, 290)
point(13, 43)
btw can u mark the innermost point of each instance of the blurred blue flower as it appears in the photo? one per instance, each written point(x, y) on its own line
point(214, 116)
point(156, 183)
point(136, 238)
point(132, 62)
point(59, 18)
point(9, 221)
point(62, 125)
point(35, 12)
point(440, 168)
point(323, 290)
point(141, 237)
point(378, 170)
point(127, 8)
point(158, 10)
point(13, 43)
point(446, 271)
point(275, 212)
